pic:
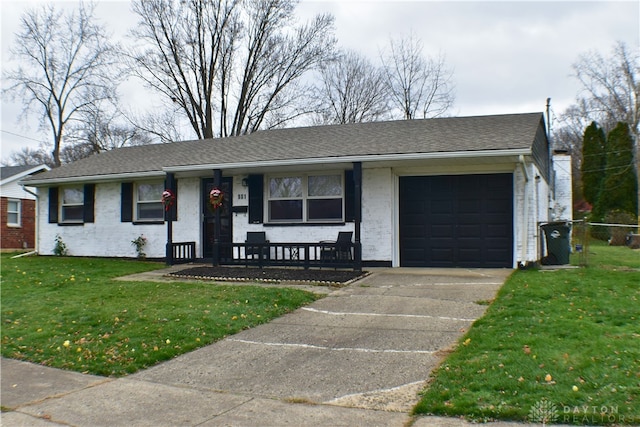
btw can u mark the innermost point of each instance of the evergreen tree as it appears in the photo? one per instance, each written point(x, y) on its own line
point(593, 162)
point(619, 187)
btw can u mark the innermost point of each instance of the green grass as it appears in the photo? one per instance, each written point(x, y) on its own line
point(565, 344)
point(69, 313)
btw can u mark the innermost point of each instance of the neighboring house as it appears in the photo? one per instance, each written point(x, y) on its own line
point(18, 207)
point(445, 192)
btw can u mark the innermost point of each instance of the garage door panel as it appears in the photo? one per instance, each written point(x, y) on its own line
point(468, 220)
point(498, 230)
point(468, 231)
point(441, 231)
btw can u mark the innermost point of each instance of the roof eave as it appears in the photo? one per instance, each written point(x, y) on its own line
point(349, 159)
point(119, 177)
point(19, 176)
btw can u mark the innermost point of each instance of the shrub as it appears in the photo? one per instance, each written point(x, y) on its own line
point(618, 235)
point(60, 248)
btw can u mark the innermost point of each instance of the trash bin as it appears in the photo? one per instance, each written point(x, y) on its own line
point(556, 235)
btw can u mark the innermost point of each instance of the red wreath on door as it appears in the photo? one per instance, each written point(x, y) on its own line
point(168, 199)
point(216, 198)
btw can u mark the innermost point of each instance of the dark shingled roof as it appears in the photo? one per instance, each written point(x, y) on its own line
point(439, 135)
point(9, 171)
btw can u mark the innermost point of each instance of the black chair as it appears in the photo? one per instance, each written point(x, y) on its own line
point(340, 250)
point(257, 244)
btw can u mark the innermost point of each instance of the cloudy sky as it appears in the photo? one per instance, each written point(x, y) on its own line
point(507, 56)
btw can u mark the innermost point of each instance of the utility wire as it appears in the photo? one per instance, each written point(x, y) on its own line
point(21, 136)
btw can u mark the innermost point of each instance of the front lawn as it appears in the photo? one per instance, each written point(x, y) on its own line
point(555, 346)
point(68, 313)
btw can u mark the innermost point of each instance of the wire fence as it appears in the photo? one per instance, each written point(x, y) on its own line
point(615, 234)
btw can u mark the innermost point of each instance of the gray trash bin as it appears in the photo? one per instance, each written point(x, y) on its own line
point(556, 235)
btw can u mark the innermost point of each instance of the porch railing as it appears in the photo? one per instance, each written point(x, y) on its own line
point(304, 255)
point(183, 252)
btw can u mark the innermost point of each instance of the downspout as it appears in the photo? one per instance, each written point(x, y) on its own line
point(37, 220)
point(525, 216)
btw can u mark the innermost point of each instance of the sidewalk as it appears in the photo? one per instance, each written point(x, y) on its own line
point(359, 356)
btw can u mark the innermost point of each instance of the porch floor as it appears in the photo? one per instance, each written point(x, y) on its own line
point(269, 274)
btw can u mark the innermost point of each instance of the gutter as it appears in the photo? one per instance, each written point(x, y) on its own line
point(349, 159)
point(94, 178)
point(525, 228)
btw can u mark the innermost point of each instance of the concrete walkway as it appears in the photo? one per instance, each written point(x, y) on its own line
point(359, 356)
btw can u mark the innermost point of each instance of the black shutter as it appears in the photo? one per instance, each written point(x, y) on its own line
point(349, 197)
point(256, 207)
point(53, 205)
point(89, 202)
point(126, 202)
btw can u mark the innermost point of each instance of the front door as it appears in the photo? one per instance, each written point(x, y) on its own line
point(208, 216)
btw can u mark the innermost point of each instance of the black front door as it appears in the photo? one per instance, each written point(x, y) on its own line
point(208, 215)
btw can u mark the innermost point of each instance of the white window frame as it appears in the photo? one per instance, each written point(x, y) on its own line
point(305, 197)
point(17, 212)
point(137, 202)
point(64, 205)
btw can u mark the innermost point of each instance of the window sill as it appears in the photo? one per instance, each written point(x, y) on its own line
point(14, 225)
point(301, 224)
point(158, 222)
point(70, 223)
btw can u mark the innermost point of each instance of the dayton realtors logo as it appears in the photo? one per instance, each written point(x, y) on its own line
point(545, 412)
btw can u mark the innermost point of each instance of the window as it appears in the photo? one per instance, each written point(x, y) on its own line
point(13, 213)
point(72, 204)
point(149, 202)
point(306, 198)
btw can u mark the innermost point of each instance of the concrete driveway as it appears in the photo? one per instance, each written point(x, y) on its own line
point(359, 356)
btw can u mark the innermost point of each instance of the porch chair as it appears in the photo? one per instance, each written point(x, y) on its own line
point(340, 250)
point(261, 248)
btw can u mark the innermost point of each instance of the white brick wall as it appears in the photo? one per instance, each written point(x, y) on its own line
point(531, 206)
point(562, 207)
point(378, 214)
point(107, 236)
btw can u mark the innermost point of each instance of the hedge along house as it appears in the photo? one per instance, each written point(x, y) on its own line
point(445, 192)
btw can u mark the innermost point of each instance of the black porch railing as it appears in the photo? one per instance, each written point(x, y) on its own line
point(303, 255)
point(182, 252)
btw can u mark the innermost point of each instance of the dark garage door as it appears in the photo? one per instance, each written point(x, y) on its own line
point(456, 221)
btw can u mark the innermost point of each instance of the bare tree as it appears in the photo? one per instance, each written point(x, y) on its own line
point(31, 157)
point(231, 67)
point(352, 90)
point(163, 124)
point(103, 129)
point(66, 65)
point(276, 54)
point(610, 92)
point(610, 86)
point(181, 53)
point(420, 87)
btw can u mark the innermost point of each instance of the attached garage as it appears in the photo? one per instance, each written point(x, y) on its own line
point(456, 221)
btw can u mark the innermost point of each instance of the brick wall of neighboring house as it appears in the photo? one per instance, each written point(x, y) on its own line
point(23, 236)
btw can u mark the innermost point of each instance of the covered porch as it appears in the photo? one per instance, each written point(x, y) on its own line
point(339, 250)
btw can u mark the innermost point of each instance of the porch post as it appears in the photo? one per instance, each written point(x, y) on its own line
point(217, 183)
point(168, 217)
point(357, 249)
